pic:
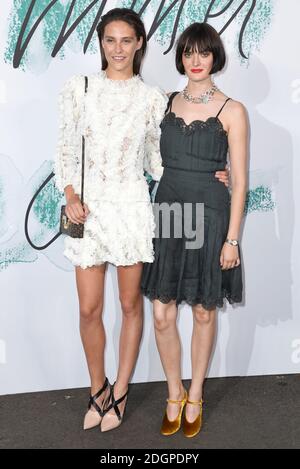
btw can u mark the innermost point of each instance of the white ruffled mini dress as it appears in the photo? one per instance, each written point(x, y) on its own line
point(120, 120)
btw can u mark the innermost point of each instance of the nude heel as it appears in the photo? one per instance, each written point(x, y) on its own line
point(115, 420)
point(93, 418)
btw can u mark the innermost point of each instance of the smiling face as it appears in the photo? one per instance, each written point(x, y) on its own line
point(197, 65)
point(120, 45)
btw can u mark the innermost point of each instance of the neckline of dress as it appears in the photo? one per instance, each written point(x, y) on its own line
point(119, 84)
point(196, 122)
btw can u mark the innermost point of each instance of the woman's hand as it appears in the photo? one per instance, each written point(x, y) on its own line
point(223, 176)
point(75, 211)
point(229, 257)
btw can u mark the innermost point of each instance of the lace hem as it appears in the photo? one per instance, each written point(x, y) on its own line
point(121, 262)
point(191, 299)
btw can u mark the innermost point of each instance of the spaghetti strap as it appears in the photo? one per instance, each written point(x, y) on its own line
point(222, 107)
point(172, 96)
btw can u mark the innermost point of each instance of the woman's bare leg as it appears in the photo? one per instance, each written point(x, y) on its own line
point(129, 280)
point(204, 327)
point(90, 287)
point(169, 347)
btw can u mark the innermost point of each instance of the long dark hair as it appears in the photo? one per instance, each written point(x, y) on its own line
point(132, 18)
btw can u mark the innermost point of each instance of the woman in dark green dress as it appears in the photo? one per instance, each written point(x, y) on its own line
point(200, 128)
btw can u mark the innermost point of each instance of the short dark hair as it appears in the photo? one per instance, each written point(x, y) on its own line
point(201, 37)
point(132, 18)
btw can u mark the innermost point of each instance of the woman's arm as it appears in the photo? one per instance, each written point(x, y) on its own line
point(152, 159)
point(238, 151)
point(67, 164)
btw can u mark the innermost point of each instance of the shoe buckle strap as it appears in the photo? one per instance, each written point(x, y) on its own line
point(92, 400)
point(172, 401)
point(181, 401)
point(98, 394)
point(114, 403)
point(195, 402)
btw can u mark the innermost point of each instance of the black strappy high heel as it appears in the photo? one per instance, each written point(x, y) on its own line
point(92, 419)
point(114, 405)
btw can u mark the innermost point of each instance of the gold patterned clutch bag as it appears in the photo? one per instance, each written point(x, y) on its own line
point(66, 225)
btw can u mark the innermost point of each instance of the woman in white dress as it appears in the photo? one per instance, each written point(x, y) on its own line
point(119, 117)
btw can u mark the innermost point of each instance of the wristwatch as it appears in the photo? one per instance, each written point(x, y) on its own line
point(233, 242)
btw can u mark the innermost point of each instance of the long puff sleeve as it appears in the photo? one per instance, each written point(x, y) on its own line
point(152, 159)
point(67, 164)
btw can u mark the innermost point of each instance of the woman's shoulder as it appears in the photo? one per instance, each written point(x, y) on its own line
point(235, 113)
point(230, 105)
point(235, 109)
point(170, 93)
point(155, 93)
point(72, 84)
point(235, 104)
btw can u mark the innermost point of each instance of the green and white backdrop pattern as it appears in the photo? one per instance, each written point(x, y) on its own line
point(44, 42)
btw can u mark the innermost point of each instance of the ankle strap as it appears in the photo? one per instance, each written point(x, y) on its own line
point(195, 402)
point(92, 400)
point(98, 394)
point(172, 401)
point(114, 403)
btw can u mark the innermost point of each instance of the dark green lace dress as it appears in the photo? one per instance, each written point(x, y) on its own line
point(191, 155)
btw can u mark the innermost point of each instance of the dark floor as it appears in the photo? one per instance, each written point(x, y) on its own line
point(252, 412)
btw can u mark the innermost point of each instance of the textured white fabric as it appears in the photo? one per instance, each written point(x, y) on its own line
point(120, 121)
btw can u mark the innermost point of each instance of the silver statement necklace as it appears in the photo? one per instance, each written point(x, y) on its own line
point(203, 98)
